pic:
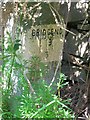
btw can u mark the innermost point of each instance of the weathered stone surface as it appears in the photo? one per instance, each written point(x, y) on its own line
point(45, 41)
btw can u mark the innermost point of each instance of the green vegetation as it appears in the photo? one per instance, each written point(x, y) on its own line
point(25, 92)
point(18, 100)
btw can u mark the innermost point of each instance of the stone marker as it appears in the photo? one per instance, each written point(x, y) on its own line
point(45, 41)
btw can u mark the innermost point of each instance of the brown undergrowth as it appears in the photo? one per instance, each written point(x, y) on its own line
point(77, 93)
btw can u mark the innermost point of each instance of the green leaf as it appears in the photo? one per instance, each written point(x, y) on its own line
point(16, 46)
point(17, 40)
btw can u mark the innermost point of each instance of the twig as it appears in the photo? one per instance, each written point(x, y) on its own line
point(64, 28)
point(55, 74)
point(29, 83)
point(78, 64)
point(82, 118)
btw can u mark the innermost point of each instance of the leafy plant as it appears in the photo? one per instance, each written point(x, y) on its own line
point(9, 56)
point(19, 102)
point(36, 69)
point(62, 82)
point(43, 104)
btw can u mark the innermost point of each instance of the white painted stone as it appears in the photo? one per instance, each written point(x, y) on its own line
point(45, 41)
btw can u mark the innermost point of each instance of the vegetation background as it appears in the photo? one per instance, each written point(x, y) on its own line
point(25, 94)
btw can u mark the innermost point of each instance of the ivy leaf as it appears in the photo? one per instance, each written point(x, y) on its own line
point(17, 40)
point(16, 46)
